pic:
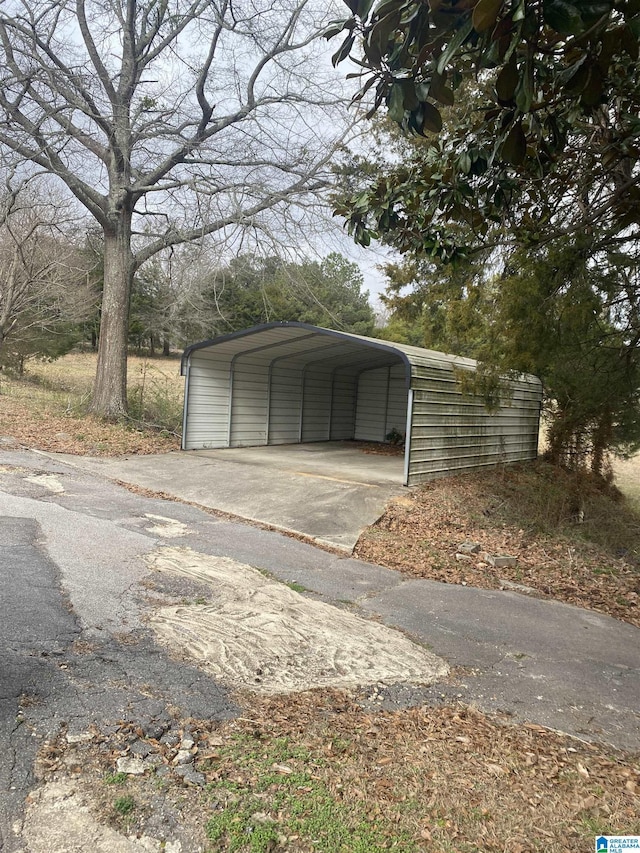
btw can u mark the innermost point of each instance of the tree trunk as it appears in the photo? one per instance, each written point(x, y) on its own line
point(110, 389)
point(165, 347)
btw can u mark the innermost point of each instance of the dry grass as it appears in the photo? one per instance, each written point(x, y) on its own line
point(627, 479)
point(46, 409)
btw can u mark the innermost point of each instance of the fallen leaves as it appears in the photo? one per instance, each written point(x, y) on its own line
point(423, 535)
point(450, 773)
point(437, 778)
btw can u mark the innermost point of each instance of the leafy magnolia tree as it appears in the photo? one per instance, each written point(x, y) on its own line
point(549, 137)
point(46, 287)
point(328, 293)
point(167, 122)
point(524, 173)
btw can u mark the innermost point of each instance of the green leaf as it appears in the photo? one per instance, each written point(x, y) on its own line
point(343, 51)
point(410, 99)
point(563, 17)
point(432, 120)
point(593, 91)
point(630, 43)
point(592, 12)
point(507, 81)
point(380, 32)
point(578, 80)
point(634, 26)
point(333, 28)
point(457, 40)
point(524, 90)
point(395, 104)
point(387, 7)
point(364, 89)
point(440, 92)
point(519, 13)
point(363, 8)
point(485, 14)
point(514, 147)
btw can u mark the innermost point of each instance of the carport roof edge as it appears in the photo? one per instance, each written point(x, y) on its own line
point(409, 354)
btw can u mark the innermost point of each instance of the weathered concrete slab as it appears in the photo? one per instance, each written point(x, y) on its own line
point(328, 491)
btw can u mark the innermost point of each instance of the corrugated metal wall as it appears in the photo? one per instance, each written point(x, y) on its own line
point(286, 400)
point(320, 402)
point(452, 432)
point(207, 424)
point(343, 404)
point(285, 405)
point(381, 403)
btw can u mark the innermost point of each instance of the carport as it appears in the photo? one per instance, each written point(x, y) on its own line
point(291, 383)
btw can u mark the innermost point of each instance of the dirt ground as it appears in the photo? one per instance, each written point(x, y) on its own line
point(314, 772)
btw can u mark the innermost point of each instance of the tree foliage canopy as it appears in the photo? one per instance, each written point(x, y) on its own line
point(540, 102)
point(250, 291)
point(523, 172)
point(561, 311)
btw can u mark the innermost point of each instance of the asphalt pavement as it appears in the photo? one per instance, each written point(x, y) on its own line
point(77, 650)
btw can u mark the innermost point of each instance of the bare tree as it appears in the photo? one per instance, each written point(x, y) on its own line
point(45, 285)
point(169, 120)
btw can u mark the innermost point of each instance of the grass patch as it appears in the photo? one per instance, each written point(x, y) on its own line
point(281, 800)
point(627, 478)
point(124, 805)
point(295, 586)
point(116, 778)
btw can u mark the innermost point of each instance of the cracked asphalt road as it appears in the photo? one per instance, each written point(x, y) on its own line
point(77, 652)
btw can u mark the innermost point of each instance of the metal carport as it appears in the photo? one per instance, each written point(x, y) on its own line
point(284, 383)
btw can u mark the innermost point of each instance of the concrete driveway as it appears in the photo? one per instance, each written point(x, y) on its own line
point(327, 491)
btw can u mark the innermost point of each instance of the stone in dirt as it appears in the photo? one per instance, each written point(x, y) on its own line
point(131, 766)
point(469, 547)
point(464, 558)
point(184, 756)
point(517, 587)
point(191, 776)
point(500, 561)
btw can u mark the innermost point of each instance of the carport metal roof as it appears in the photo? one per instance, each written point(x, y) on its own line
point(306, 343)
